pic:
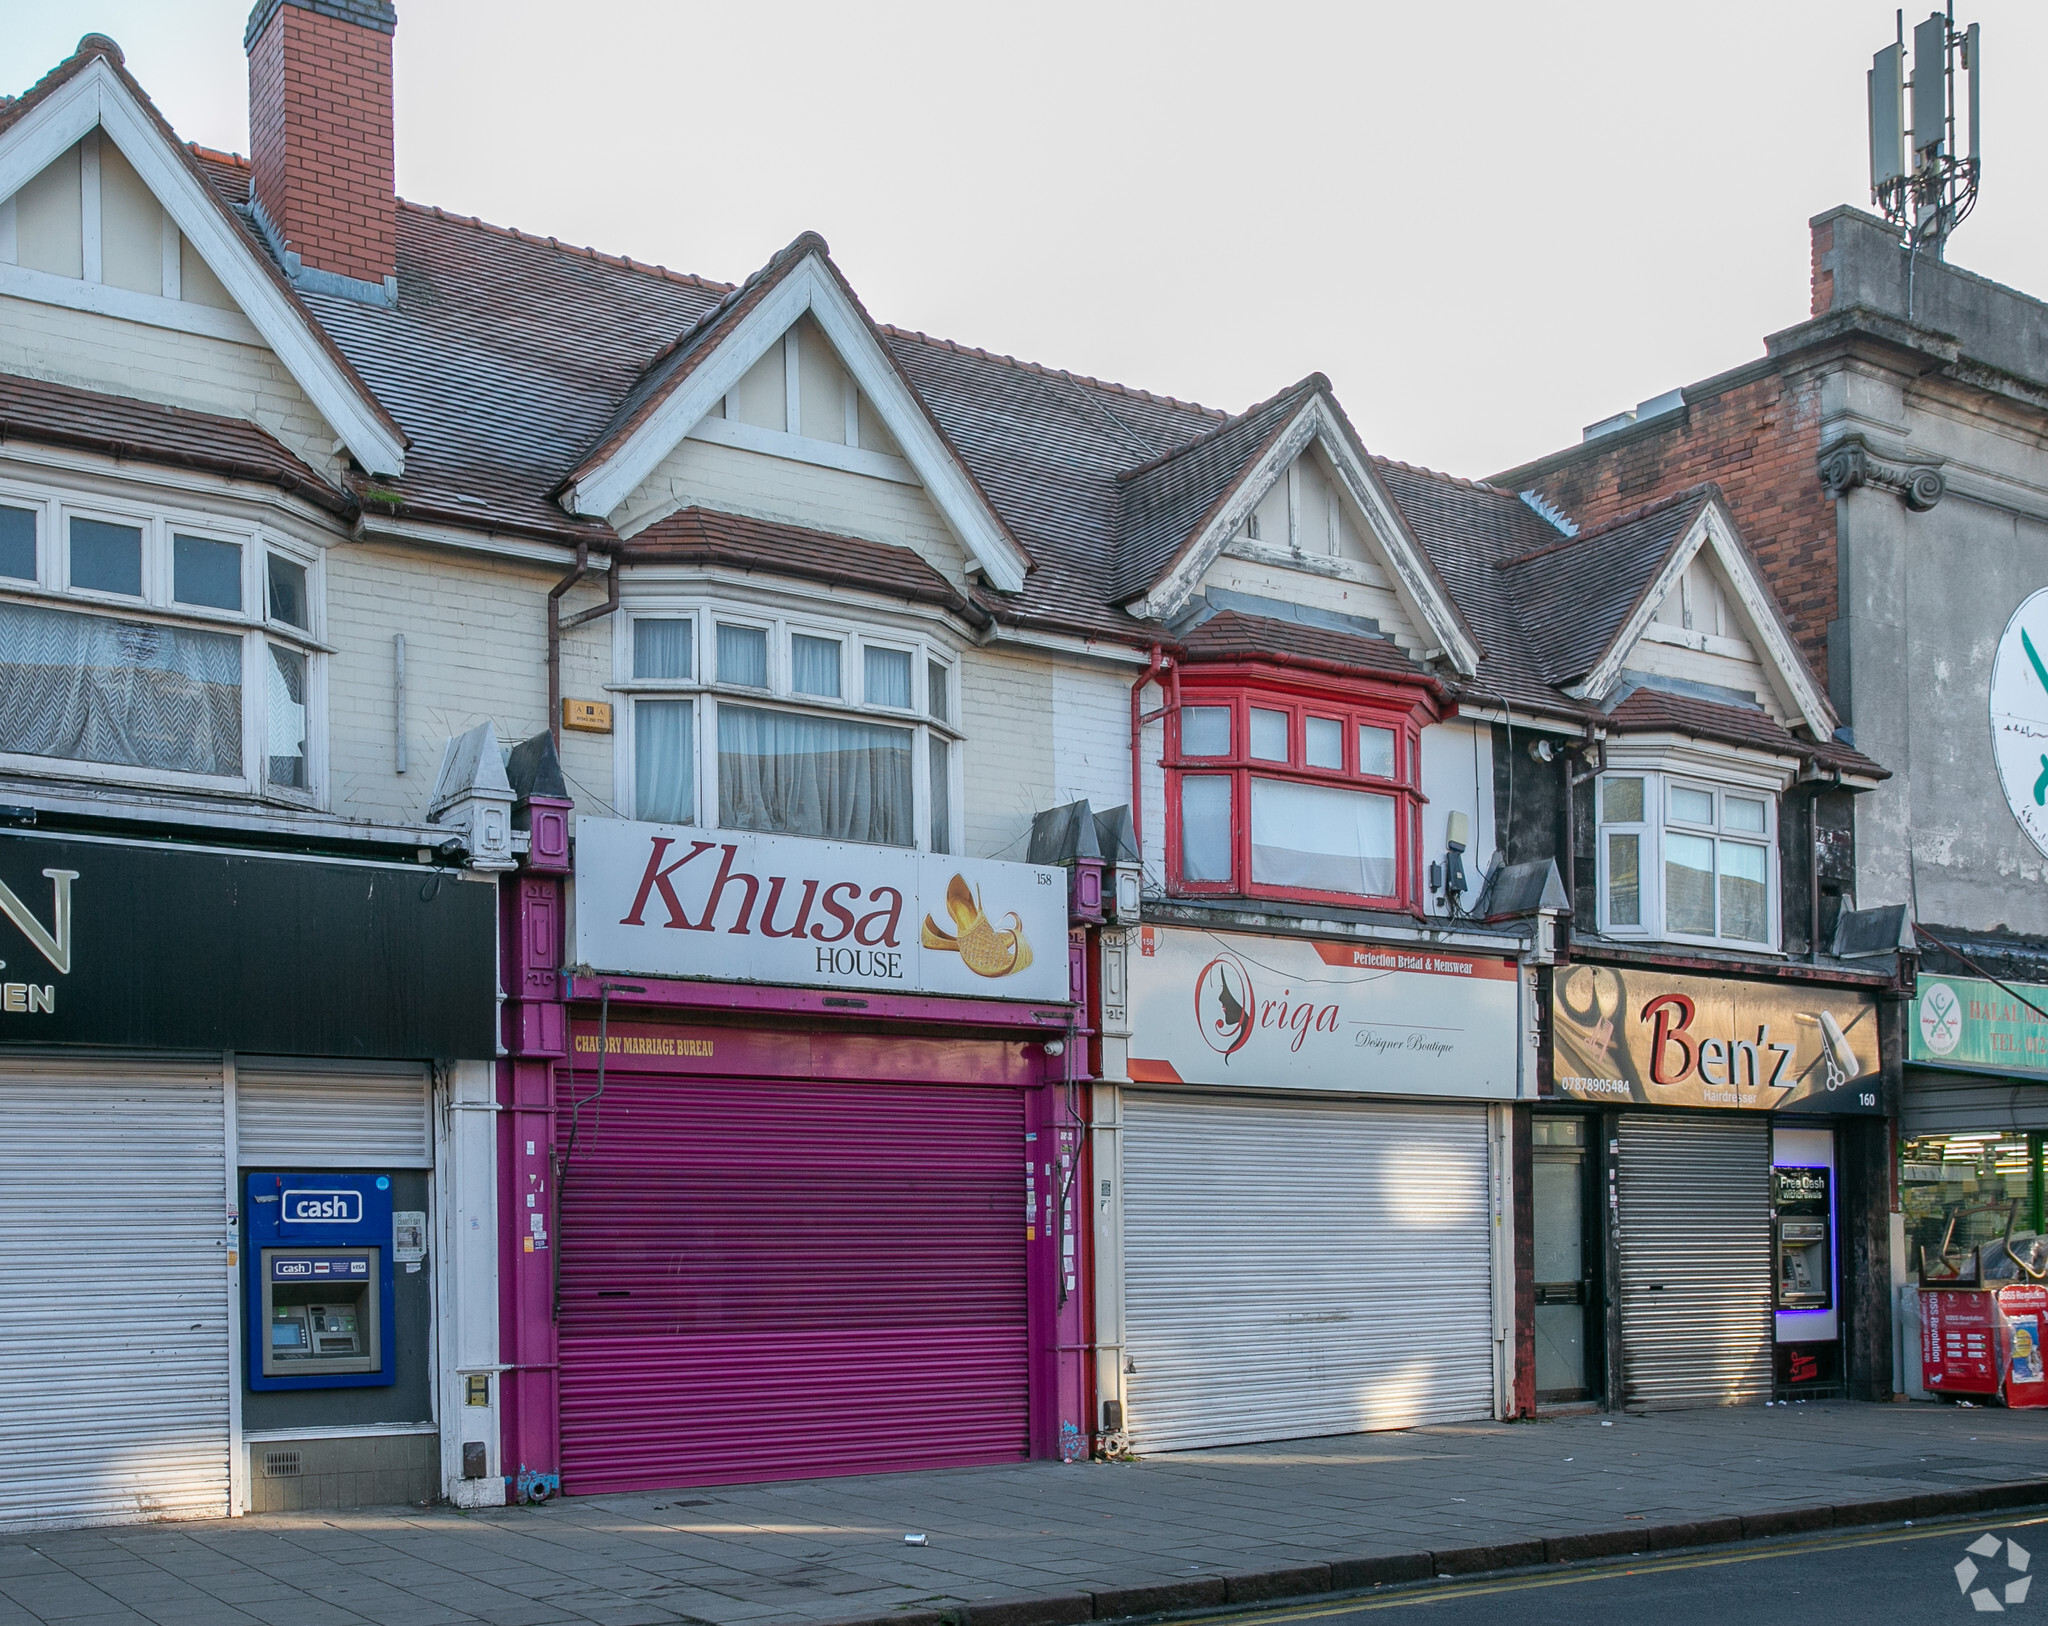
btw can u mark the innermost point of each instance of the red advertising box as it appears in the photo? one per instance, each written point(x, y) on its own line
point(1959, 1341)
point(2023, 1313)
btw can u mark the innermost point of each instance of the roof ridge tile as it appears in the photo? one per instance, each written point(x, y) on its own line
point(1300, 386)
point(625, 262)
point(1693, 493)
point(1438, 474)
point(1044, 369)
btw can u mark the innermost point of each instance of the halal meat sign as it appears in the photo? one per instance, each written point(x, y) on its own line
point(2019, 716)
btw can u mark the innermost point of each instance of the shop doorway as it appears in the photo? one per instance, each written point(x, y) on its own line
point(1569, 1349)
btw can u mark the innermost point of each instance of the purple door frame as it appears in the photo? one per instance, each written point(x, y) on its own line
point(784, 1031)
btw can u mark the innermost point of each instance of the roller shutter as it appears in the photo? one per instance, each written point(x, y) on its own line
point(785, 1279)
point(1964, 1104)
point(332, 1114)
point(113, 1263)
point(1695, 1218)
point(1294, 1270)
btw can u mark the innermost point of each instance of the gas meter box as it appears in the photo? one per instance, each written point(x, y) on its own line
point(320, 1282)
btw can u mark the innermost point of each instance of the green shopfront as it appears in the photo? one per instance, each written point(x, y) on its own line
point(1972, 1127)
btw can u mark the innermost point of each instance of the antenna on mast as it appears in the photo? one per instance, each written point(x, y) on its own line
point(1918, 177)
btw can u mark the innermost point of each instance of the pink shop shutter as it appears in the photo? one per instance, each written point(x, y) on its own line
point(776, 1280)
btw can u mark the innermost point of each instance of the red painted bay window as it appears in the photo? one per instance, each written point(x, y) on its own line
point(1278, 789)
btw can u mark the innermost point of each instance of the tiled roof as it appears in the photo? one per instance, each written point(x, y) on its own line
point(1465, 528)
point(505, 359)
point(1233, 635)
point(704, 536)
point(1047, 449)
point(1572, 595)
point(143, 431)
point(1169, 501)
point(1647, 711)
point(97, 47)
point(511, 362)
point(680, 358)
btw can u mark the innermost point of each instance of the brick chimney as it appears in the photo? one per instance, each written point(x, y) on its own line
point(320, 142)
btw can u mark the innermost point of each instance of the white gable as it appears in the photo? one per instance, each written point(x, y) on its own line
point(1707, 622)
point(726, 477)
point(1310, 516)
point(800, 402)
point(730, 389)
point(1306, 512)
point(102, 215)
point(1305, 543)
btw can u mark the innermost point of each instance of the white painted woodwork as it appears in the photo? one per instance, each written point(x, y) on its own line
point(59, 220)
point(131, 227)
point(198, 284)
point(170, 257)
point(1323, 584)
point(821, 385)
point(761, 397)
point(226, 371)
point(736, 468)
point(47, 220)
point(612, 488)
point(89, 255)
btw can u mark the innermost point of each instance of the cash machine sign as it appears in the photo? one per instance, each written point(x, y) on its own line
point(323, 1207)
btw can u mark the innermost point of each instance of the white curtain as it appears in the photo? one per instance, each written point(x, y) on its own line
point(93, 689)
point(664, 761)
point(661, 648)
point(788, 774)
point(286, 722)
point(814, 666)
point(1322, 839)
point(1205, 827)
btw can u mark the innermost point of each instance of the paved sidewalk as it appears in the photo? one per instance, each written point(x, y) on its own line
point(1038, 1544)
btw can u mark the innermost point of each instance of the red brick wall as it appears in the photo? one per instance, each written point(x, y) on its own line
point(1761, 442)
point(320, 141)
point(1823, 280)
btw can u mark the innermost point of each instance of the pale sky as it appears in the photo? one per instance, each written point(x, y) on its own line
point(1489, 223)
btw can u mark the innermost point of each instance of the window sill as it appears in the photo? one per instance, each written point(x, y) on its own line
point(1685, 945)
point(202, 810)
point(13, 590)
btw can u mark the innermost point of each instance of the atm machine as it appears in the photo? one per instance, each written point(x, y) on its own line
point(320, 1288)
point(1804, 1273)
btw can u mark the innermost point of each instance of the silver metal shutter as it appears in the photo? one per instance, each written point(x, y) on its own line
point(1958, 1104)
point(1695, 1261)
point(114, 1338)
point(326, 1113)
point(1294, 1269)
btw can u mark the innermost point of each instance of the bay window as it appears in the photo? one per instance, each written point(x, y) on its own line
point(163, 649)
point(1276, 795)
point(1684, 858)
point(838, 733)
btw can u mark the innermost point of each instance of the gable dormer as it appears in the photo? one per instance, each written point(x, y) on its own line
point(1706, 626)
point(108, 227)
point(1281, 504)
point(788, 365)
point(799, 401)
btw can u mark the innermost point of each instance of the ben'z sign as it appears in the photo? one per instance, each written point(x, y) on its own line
point(1627, 1035)
point(661, 900)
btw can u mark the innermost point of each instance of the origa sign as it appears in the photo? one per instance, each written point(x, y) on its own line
point(662, 900)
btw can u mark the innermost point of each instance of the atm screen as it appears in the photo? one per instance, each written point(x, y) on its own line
point(287, 1335)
